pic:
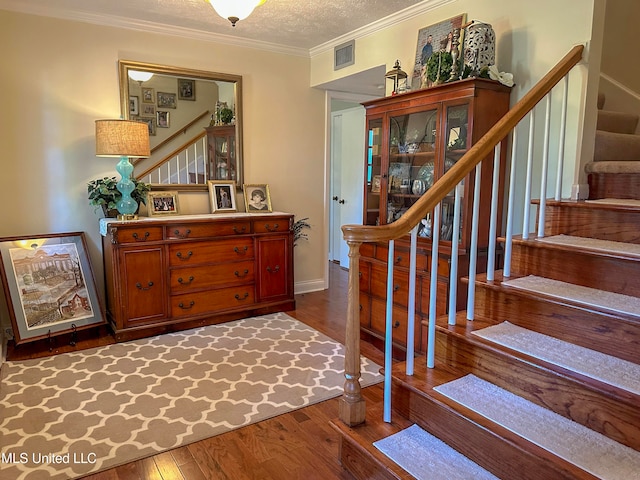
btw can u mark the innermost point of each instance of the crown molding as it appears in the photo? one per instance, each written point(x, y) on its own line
point(22, 6)
point(381, 24)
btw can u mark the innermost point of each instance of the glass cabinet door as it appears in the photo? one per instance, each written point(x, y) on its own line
point(222, 153)
point(412, 159)
point(375, 178)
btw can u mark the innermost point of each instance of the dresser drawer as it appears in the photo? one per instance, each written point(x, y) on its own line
point(218, 251)
point(207, 276)
point(137, 234)
point(206, 230)
point(267, 225)
point(211, 301)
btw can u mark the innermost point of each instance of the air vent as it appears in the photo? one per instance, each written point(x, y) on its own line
point(344, 55)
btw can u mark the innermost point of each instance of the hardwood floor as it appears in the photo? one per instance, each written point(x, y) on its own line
point(296, 445)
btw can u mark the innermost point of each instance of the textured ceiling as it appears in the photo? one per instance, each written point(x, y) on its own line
point(299, 24)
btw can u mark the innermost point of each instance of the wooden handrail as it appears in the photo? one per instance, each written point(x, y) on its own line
point(180, 131)
point(484, 146)
point(351, 406)
point(166, 158)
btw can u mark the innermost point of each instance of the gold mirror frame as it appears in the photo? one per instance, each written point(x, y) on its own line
point(125, 65)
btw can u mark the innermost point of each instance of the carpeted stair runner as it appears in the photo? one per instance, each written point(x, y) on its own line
point(429, 458)
point(596, 365)
point(607, 246)
point(591, 297)
point(569, 440)
point(623, 202)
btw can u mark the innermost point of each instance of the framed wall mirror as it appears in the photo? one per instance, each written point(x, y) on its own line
point(195, 124)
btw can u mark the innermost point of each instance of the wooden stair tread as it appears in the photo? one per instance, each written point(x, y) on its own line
point(611, 247)
point(588, 204)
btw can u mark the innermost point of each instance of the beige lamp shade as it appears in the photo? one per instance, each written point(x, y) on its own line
point(122, 138)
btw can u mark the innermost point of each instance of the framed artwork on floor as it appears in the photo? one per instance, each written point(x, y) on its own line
point(48, 285)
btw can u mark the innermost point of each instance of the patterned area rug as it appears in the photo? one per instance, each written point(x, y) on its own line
point(77, 413)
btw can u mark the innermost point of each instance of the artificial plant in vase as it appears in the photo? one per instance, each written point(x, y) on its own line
point(104, 194)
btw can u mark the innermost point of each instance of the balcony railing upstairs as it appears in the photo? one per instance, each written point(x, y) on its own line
point(352, 406)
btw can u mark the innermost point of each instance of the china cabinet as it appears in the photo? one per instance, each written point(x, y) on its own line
point(412, 139)
point(221, 142)
point(191, 270)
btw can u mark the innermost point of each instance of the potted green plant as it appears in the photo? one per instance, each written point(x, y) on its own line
point(104, 194)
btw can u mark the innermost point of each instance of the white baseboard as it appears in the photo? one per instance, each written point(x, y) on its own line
point(309, 286)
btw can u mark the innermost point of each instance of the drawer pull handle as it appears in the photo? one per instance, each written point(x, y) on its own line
point(183, 307)
point(396, 288)
point(182, 282)
point(397, 324)
point(179, 255)
point(140, 287)
point(238, 297)
point(269, 228)
point(138, 239)
point(237, 273)
point(241, 231)
point(177, 233)
point(398, 259)
point(275, 270)
point(238, 251)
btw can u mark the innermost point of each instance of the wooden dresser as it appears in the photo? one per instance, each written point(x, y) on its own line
point(173, 273)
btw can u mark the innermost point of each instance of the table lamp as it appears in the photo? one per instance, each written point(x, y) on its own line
point(124, 139)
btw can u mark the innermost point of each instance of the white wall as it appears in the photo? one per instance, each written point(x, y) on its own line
point(59, 76)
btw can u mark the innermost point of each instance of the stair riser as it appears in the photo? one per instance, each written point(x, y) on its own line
point(359, 463)
point(571, 266)
point(582, 220)
point(614, 185)
point(610, 415)
point(503, 458)
point(604, 333)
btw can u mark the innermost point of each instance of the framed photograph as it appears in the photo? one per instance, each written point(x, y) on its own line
point(222, 195)
point(257, 198)
point(166, 100)
point(49, 286)
point(133, 105)
point(162, 119)
point(147, 110)
point(186, 89)
point(148, 95)
point(151, 123)
point(163, 203)
point(431, 39)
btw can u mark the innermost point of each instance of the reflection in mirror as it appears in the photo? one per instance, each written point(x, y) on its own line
point(195, 124)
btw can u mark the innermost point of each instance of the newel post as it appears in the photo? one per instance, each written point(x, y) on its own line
point(352, 405)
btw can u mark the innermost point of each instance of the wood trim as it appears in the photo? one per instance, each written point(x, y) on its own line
point(181, 131)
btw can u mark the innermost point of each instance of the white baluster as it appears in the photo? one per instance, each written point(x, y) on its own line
point(493, 219)
point(510, 202)
point(433, 287)
point(527, 189)
point(411, 314)
point(473, 256)
point(563, 127)
point(388, 341)
point(455, 246)
point(545, 168)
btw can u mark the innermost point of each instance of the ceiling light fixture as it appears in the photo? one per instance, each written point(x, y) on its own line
point(235, 10)
point(139, 76)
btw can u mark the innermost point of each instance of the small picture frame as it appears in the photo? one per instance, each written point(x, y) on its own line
point(162, 118)
point(186, 89)
point(166, 100)
point(257, 198)
point(133, 105)
point(147, 110)
point(375, 184)
point(222, 196)
point(49, 286)
point(148, 95)
point(151, 123)
point(163, 203)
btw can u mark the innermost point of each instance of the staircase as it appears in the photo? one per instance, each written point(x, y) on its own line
point(615, 170)
point(591, 255)
point(544, 383)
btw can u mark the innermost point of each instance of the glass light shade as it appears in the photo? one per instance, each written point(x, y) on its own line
point(235, 10)
point(139, 76)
